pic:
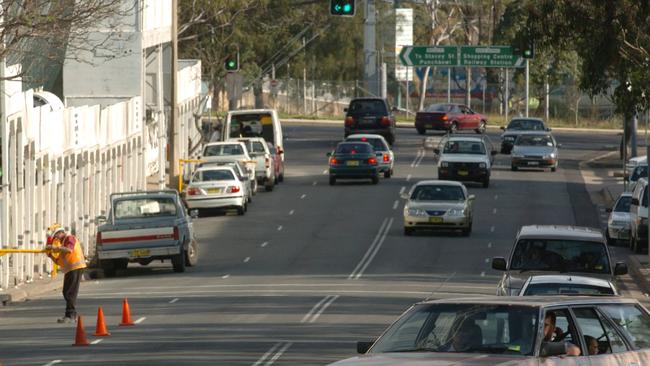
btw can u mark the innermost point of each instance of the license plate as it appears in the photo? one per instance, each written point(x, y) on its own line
point(533, 163)
point(352, 163)
point(368, 121)
point(435, 220)
point(140, 253)
point(463, 173)
point(214, 190)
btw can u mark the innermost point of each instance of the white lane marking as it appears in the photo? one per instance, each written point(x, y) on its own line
point(490, 245)
point(267, 354)
point(225, 276)
point(374, 252)
point(140, 320)
point(264, 244)
point(369, 251)
point(247, 259)
point(401, 190)
point(173, 300)
point(315, 183)
point(322, 309)
point(494, 211)
point(96, 341)
point(395, 204)
point(482, 274)
point(52, 363)
point(325, 171)
point(487, 260)
point(492, 229)
point(408, 177)
point(291, 212)
point(417, 156)
point(417, 161)
point(303, 196)
point(278, 354)
point(311, 312)
point(280, 228)
point(273, 354)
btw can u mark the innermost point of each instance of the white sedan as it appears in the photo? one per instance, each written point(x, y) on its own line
point(620, 220)
point(551, 285)
point(216, 187)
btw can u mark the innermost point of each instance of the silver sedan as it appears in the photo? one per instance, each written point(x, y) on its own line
point(535, 150)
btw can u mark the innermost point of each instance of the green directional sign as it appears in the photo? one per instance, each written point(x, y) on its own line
point(429, 56)
point(489, 56)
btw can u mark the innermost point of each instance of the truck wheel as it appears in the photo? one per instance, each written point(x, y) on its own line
point(120, 263)
point(332, 181)
point(109, 268)
point(241, 210)
point(178, 262)
point(192, 254)
point(486, 182)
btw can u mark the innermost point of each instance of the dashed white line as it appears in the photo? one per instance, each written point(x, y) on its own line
point(482, 274)
point(494, 211)
point(492, 229)
point(408, 177)
point(52, 363)
point(247, 259)
point(401, 190)
point(303, 196)
point(490, 245)
point(225, 276)
point(96, 341)
point(140, 320)
point(277, 351)
point(264, 244)
point(315, 183)
point(173, 300)
point(487, 260)
point(325, 171)
point(280, 228)
point(395, 204)
point(291, 212)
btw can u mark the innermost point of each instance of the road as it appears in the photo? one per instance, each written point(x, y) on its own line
point(310, 269)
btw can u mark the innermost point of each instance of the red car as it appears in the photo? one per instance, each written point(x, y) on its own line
point(449, 117)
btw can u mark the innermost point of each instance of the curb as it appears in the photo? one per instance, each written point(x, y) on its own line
point(635, 267)
point(40, 288)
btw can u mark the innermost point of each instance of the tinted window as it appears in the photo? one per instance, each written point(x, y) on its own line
point(437, 193)
point(527, 140)
point(252, 125)
point(144, 207)
point(439, 108)
point(474, 328)
point(542, 289)
point(632, 321)
point(526, 125)
point(223, 150)
point(212, 175)
point(368, 107)
point(560, 255)
point(464, 147)
point(351, 148)
point(639, 172)
point(623, 204)
point(377, 144)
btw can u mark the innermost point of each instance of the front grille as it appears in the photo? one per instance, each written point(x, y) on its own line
point(533, 157)
point(435, 213)
point(457, 165)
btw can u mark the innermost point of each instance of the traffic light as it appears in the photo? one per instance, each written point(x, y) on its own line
point(232, 63)
point(524, 49)
point(342, 7)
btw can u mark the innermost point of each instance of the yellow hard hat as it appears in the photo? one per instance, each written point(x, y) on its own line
point(53, 229)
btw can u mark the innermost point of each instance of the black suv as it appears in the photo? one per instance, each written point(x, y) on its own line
point(370, 115)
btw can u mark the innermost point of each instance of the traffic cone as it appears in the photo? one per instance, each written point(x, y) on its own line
point(100, 329)
point(126, 314)
point(80, 336)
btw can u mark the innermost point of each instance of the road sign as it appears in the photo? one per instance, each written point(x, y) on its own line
point(490, 56)
point(429, 56)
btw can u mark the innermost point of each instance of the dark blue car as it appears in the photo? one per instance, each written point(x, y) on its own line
point(353, 160)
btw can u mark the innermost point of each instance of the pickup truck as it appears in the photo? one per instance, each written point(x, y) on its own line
point(146, 226)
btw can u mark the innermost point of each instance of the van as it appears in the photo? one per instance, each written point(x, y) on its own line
point(639, 217)
point(263, 123)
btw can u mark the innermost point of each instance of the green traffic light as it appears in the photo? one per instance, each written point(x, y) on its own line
point(347, 8)
point(231, 63)
point(337, 7)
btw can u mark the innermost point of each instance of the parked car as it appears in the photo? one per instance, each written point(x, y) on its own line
point(639, 217)
point(385, 156)
point(264, 162)
point(263, 123)
point(240, 172)
point(551, 249)
point(633, 163)
point(466, 159)
point(438, 204)
point(372, 116)
point(353, 160)
point(514, 331)
point(535, 150)
point(620, 220)
point(550, 285)
point(145, 226)
point(639, 171)
point(216, 187)
point(278, 162)
point(518, 126)
point(229, 151)
point(449, 117)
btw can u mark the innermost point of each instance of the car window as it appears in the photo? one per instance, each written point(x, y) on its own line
point(252, 125)
point(623, 204)
point(212, 175)
point(526, 125)
point(368, 107)
point(560, 255)
point(352, 148)
point(546, 289)
point(565, 330)
point(639, 172)
point(377, 144)
point(223, 150)
point(632, 321)
point(598, 339)
point(528, 140)
point(258, 147)
point(144, 207)
point(464, 147)
point(477, 328)
point(437, 193)
point(443, 108)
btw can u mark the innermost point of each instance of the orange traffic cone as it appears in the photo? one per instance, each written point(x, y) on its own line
point(100, 329)
point(126, 314)
point(80, 336)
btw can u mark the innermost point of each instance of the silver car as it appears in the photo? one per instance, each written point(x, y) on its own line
point(535, 150)
point(620, 220)
point(216, 187)
point(438, 204)
point(550, 285)
point(385, 156)
point(240, 171)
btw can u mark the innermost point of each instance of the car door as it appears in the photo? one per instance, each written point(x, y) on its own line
point(602, 342)
point(566, 331)
point(474, 118)
point(465, 118)
point(633, 321)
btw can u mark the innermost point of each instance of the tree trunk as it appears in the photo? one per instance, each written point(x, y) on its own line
point(259, 95)
point(216, 94)
point(423, 92)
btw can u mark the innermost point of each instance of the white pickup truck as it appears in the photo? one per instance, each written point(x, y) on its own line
point(146, 226)
point(264, 162)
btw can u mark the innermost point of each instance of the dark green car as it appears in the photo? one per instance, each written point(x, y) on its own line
point(353, 160)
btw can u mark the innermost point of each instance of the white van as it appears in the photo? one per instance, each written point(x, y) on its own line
point(263, 123)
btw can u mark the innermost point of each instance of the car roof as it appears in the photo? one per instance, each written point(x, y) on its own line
point(247, 111)
point(249, 139)
point(215, 167)
point(229, 142)
point(353, 143)
point(625, 194)
point(365, 135)
point(535, 133)
point(526, 119)
point(570, 279)
point(537, 301)
point(439, 183)
point(560, 232)
point(465, 138)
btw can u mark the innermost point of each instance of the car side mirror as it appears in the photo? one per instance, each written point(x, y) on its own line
point(620, 269)
point(194, 213)
point(328, 154)
point(101, 219)
point(635, 201)
point(436, 151)
point(499, 263)
point(503, 128)
point(471, 197)
point(608, 210)
point(550, 349)
point(404, 196)
point(364, 346)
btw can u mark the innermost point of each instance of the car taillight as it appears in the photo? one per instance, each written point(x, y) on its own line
point(193, 191)
point(98, 239)
point(349, 121)
point(386, 158)
point(176, 236)
point(267, 162)
point(444, 118)
point(385, 121)
point(372, 161)
point(233, 189)
point(333, 161)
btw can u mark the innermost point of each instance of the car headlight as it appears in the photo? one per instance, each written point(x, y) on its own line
point(456, 212)
point(444, 164)
point(482, 165)
point(509, 138)
point(415, 212)
point(517, 156)
point(549, 156)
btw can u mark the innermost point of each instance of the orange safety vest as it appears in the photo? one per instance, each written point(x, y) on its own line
point(73, 260)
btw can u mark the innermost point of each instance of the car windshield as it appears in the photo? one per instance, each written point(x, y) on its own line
point(526, 125)
point(374, 107)
point(137, 208)
point(212, 175)
point(437, 193)
point(352, 148)
point(550, 289)
point(377, 144)
point(640, 171)
point(252, 125)
point(223, 150)
point(530, 140)
point(439, 108)
point(464, 147)
point(623, 204)
point(469, 328)
point(560, 255)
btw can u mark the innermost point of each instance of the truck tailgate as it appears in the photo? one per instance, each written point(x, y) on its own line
point(134, 237)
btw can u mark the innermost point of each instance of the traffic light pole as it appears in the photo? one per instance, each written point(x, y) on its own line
point(370, 49)
point(527, 83)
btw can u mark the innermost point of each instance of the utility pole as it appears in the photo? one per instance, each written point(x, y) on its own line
point(507, 95)
point(370, 49)
point(527, 84)
point(449, 85)
point(173, 127)
point(304, 78)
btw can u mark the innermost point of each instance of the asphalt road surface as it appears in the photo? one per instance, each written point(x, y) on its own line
point(310, 269)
